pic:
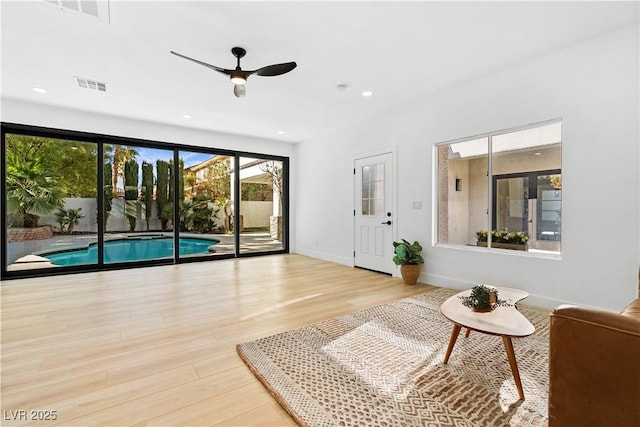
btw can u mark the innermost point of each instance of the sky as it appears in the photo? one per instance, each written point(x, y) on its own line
point(151, 155)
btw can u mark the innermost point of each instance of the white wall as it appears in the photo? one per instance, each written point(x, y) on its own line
point(593, 86)
point(14, 111)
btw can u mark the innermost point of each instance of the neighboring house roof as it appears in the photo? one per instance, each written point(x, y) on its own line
point(258, 176)
point(206, 163)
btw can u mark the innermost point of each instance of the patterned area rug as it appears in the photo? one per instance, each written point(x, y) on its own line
point(383, 367)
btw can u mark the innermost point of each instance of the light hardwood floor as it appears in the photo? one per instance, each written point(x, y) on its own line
point(157, 346)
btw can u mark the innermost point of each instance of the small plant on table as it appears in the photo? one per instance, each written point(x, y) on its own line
point(483, 299)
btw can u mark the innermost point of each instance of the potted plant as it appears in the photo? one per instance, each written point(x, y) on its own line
point(483, 299)
point(408, 257)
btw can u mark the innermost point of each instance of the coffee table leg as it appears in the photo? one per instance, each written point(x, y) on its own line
point(508, 345)
point(452, 341)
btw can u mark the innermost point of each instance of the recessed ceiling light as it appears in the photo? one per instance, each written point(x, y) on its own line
point(367, 93)
point(280, 132)
point(186, 116)
point(39, 90)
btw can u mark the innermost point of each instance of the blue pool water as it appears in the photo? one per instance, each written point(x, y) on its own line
point(138, 248)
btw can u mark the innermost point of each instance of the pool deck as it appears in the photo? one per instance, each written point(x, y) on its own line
point(26, 255)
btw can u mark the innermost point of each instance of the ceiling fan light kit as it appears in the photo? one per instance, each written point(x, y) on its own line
point(238, 79)
point(239, 76)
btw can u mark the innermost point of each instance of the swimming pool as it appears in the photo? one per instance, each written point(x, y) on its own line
point(132, 248)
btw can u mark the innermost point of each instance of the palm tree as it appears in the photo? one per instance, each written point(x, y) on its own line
point(69, 218)
point(29, 191)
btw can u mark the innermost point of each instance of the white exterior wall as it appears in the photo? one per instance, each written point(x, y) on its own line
point(256, 213)
point(592, 86)
point(86, 224)
point(117, 220)
point(479, 202)
point(458, 202)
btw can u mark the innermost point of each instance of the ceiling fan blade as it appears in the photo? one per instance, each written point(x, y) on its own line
point(238, 91)
point(213, 67)
point(275, 70)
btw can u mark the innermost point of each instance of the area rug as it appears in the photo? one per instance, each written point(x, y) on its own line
point(383, 366)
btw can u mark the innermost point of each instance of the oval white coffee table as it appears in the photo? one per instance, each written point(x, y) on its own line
point(507, 322)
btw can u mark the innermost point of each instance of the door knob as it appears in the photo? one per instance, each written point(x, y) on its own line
point(386, 222)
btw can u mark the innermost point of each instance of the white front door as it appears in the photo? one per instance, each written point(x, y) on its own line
point(374, 213)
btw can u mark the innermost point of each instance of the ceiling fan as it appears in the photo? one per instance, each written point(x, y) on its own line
point(239, 76)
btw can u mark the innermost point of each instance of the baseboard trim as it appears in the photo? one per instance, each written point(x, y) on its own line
point(325, 256)
point(452, 283)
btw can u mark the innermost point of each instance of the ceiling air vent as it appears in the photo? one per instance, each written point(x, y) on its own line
point(96, 8)
point(91, 84)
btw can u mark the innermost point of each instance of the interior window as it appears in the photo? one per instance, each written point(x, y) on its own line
point(502, 190)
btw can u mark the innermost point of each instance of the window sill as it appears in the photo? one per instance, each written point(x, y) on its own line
point(531, 253)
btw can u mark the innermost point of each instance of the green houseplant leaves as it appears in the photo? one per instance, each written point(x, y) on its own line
point(407, 253)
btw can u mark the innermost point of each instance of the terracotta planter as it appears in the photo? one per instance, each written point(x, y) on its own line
point(511, 246)
point(410, 273)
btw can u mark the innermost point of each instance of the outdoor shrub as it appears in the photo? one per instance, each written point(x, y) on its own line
point(131, 192)
point(68, 219)
point(199, 217)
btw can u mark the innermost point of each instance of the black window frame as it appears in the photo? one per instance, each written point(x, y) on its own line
point(533, 188)
point(101, 140)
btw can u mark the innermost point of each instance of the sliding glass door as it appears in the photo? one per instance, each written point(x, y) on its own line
point(50, 197)
point(138, 203)
point(532, 203)
point(76, 201)
point(262, 198)
point(512, 204)
point(206, 207)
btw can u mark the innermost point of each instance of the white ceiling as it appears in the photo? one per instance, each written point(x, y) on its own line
point(402, 51)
